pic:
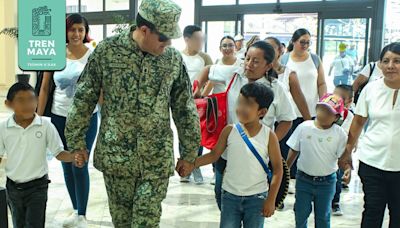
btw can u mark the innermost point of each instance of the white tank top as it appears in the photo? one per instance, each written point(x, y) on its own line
point(244, 175)
point(307, 74)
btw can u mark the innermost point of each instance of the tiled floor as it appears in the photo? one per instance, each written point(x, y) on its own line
point(186, 205)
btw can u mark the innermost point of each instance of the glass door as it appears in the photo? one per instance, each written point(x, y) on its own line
point(348, 37)
point(281, 26)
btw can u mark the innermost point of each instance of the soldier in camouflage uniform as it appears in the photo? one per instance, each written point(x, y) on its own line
point(141, 78)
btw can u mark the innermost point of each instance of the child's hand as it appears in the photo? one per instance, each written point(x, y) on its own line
point(184, 168)
point(80, 158)
point(268, 208)
point(347, 176)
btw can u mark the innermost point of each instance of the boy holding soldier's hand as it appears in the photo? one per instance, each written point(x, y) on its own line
point(25, 137)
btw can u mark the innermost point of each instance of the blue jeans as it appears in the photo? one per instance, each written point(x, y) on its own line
point(336, 198)
point(341, 80)
point(220, 166)
point(238, 209)
point(320, 192)
point(77, 179)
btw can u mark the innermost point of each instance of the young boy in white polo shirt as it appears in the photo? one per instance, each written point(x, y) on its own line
point(320, 143)
point(24, 138)
point(246, 196)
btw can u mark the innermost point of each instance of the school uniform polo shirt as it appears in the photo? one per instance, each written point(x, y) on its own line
point(26, 148)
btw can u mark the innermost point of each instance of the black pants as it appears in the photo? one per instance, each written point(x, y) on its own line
point(380, 188)
point(27, 204)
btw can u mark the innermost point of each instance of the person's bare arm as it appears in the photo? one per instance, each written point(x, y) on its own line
point(184, 168)
point(298, 96)
point(291, 157)
point(101, 98)
point(202, 79)
point(282, 129)
point(78, 157)
point(44, 91)
point(361, 79)
point(356, 128)
point(275, 157)
point(321, 81)
point(208, 88)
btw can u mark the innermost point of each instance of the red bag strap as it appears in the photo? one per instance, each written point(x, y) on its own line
point(212, 109)
point(230, 83)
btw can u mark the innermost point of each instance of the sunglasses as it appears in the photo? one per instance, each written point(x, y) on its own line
point(161, 37)
point(305, 43)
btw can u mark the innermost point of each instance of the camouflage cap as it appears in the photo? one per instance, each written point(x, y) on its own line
point(164, 15)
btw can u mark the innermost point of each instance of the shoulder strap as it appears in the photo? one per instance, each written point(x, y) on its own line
point(254, 151)
point(285, 59)
point(231, 82)
point(371, 70)
point(316, 60)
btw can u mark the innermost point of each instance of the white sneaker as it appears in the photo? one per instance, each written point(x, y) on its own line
point(82, 222)
point(71, 220)
point(185, 179)
point(292, 186)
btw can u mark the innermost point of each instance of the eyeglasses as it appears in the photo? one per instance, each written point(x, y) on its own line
point(305, 43)
point(161, 37)
point(227, 46)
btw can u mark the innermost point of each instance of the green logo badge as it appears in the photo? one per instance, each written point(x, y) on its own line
point(41, 41)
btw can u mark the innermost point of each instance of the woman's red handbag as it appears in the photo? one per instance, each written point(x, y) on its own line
point(213, 113)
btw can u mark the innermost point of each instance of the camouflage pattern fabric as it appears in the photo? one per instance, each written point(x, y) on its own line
point(164, 15)
point(133, 202)
point(139, 89)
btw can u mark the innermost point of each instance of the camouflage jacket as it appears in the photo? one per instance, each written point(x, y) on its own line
point(139, 90)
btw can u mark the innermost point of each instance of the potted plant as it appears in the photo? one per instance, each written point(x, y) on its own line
point(13, 33)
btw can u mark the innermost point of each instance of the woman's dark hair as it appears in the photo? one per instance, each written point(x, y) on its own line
point(226, 37)
point(189, 30)
point(76, 18)
point(263, 95)
point(296, 36)
point(269, 56)
point(393, 47)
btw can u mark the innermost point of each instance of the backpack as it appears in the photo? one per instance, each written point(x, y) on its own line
point(361, 87)
point(314, 57)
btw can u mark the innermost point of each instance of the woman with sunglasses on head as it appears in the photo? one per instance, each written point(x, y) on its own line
point(310, 73)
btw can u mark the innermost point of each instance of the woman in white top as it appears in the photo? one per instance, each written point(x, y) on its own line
point(373, 71)
point(229, 58)
point(310, 73)
point(76, 179)
point(379, 148)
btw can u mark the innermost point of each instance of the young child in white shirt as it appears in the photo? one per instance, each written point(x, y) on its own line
point(346, 93)
point(24, 138)
point(319, 144)
point(246, 196)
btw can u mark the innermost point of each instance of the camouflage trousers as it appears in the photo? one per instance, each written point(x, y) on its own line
point(134, 202)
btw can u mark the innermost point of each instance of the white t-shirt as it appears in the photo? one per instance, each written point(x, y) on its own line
point(376, 74)
point(280, 110)
point(66, 84)
point(307, 74)
point(380, 145)
point(219, 87)
point(26, 148)
point(194, 64)
point(244, 175)
point(319, 149)
point(340, 64)
point(347, 122)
